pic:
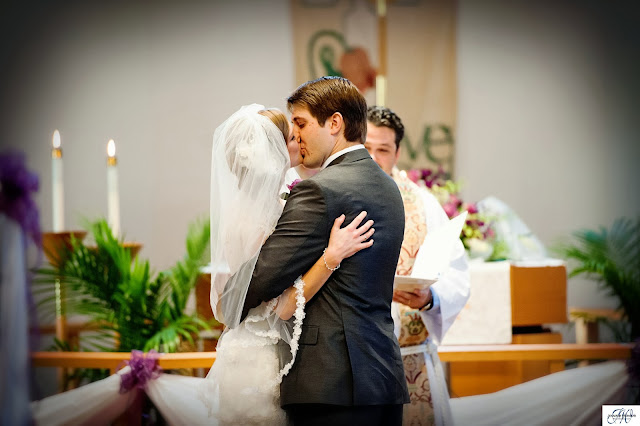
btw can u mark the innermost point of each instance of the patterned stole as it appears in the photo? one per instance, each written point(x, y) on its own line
point(413, 331)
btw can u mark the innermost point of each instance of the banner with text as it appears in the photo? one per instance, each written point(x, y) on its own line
point(340, 37)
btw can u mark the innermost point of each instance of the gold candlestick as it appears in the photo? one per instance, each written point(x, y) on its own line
point(56, 246)
point(132, 247)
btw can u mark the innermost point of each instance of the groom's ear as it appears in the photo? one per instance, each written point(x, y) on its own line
point(336, 123)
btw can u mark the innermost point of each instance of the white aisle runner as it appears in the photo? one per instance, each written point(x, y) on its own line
point(570, 397)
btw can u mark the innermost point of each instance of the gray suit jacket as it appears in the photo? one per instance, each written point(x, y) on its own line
point(348, 353)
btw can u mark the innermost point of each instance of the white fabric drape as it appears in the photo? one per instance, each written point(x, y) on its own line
point(97, 403)
point(571, 397)
point(100, 403)
point(14, 332)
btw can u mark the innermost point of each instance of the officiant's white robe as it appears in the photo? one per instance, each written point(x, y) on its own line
point(450, 294)
point(452, 290)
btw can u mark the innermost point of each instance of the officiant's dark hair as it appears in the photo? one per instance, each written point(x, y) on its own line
point(279, 119)
point(381, 116)
point(327, 95)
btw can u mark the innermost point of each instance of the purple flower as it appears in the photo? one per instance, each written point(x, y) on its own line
point(143, 369)
point(294, 183)
point(489, 233)
point(453, 199)
point(415, 175)
point(16, 185)
point(439, 182)
point(451, 209)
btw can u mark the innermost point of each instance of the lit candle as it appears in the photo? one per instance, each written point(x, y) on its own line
point(58, 188)
point(113, 199)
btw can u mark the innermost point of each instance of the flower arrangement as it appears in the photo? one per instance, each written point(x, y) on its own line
point(477, 234)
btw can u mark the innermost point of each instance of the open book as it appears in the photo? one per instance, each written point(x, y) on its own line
point(434, 256)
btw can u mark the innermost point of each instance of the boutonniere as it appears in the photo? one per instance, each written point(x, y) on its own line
point(290, 186)
point(294, 183)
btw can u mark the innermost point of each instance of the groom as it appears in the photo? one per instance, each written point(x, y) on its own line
point(348, 369)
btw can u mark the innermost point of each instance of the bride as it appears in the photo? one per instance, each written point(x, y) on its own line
point(249, 161)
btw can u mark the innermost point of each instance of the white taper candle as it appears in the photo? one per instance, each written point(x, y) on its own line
point(113, 198)
point(57, 182)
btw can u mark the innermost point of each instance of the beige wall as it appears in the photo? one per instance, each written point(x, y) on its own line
point(547, 117)
point(156, 77)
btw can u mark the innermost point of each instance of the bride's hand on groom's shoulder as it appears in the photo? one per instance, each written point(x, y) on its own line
point(348, 240)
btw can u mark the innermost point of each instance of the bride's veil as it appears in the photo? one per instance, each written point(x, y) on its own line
point(249, 161)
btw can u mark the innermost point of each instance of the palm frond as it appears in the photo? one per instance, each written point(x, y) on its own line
point(168, 339)
point(182, 277)
point(611, 257)
point(134, 309)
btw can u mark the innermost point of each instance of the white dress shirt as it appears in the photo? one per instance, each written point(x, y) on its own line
point(339, 153)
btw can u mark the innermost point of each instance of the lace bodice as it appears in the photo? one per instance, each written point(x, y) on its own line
point(242, 387)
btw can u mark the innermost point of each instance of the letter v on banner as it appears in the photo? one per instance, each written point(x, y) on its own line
point(437, 146)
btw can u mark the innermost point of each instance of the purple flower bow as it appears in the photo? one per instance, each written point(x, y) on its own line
point(294, 183)
point(16, 185)
point(143, 369)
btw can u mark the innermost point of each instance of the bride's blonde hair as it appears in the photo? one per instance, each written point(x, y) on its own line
point(279, 119)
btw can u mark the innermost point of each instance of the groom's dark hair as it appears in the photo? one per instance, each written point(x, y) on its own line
point(327, 95)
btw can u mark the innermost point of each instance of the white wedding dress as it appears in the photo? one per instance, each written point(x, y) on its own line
point(243, 386)
point(245, 378)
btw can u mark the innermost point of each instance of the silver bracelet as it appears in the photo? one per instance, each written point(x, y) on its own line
point(325, 262)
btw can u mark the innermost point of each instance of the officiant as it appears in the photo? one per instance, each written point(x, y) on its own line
point(421, 317)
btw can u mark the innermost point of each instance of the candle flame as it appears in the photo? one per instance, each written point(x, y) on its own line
point(56, 139)
point(111, 148)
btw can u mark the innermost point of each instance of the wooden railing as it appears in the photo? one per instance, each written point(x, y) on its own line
point(115, 360)
point(532, 352)
point(535, 352)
